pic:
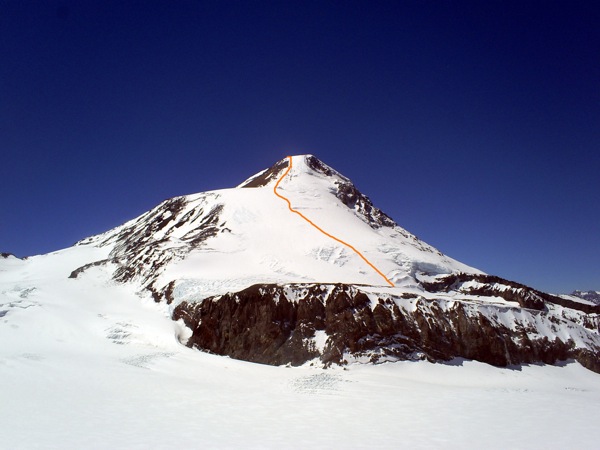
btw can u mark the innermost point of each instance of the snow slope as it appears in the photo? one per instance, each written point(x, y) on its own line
point(87, 363)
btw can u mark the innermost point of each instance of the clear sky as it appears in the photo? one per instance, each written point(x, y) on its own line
point(475, 125)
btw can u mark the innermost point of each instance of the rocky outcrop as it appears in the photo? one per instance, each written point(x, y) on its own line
point(277, 325)
point(353, 199)
point(347, 193)
point(266, 176)
point(80, 270)
point(493, 286)
point(167, 233)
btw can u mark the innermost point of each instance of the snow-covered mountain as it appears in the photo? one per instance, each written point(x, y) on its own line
point(329, 278)
point(222, 241)
point(91, 355)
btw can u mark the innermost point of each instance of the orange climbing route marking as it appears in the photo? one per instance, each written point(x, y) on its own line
point(321, 229)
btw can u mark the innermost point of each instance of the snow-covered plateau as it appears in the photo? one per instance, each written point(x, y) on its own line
point(141, 337)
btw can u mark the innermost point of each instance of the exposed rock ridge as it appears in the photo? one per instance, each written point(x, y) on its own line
point(141, 249)
point(493, 286)
point(274, 324)
point(354, 199)
point(266, 176)
point(350, 196)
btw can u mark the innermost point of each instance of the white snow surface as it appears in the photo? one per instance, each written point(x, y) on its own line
point(88, 363)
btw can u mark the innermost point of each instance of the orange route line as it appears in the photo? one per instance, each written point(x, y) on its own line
point(321, 229)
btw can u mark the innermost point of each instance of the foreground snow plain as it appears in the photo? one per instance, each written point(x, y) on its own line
point(88, 363)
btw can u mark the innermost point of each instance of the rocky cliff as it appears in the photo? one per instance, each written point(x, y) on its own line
point(336, 324)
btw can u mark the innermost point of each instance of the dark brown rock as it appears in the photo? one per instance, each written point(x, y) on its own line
point(267, 176)
point(261, 324)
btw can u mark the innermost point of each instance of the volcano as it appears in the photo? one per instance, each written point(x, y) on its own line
point(295, 265)
point(147, 334)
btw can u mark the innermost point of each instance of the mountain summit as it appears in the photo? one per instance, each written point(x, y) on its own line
point(215, 242)
point(295, 265)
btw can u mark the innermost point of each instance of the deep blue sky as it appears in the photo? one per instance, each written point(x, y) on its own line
point(475, 125)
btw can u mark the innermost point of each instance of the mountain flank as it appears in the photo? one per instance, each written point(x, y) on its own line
point(256, 283)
